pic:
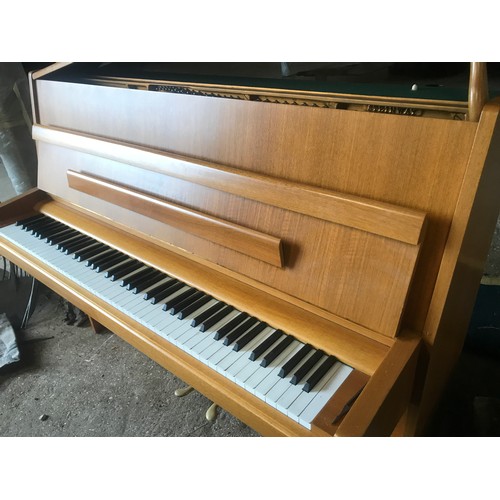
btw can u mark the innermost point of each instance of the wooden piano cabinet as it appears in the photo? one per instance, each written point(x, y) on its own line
point(21, 206)
point(462, 266)
point(387, 395)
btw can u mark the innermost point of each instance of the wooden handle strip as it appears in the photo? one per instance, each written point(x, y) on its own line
point(254, 243)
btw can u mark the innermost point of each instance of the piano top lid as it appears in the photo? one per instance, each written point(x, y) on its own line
point(426, 81)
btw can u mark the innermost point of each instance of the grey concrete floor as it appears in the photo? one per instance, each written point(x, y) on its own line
point(96, 385)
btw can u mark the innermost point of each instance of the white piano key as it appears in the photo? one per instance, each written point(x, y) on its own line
point(266, 377)
point(243, 354)
point(199, 350)
point(284, 384)
point(177, 329)
point(242, 368)
point(305, 398)
point(294, 391)
point(310, 412)
point(272, 379)
point(187, 337)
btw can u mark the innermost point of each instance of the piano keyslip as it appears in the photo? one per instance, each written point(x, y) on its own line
point(259, 358)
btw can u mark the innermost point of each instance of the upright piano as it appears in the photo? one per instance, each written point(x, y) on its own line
point(308, 259)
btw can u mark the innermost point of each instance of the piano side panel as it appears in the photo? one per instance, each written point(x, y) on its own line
point(412, 162)
point(358, 276)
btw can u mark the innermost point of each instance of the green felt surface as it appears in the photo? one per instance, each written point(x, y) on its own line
point(368, 89)
point(384, 89)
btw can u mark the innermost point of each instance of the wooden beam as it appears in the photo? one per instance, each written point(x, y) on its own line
point(478, 90)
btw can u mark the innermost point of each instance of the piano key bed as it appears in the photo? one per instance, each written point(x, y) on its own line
point(289, 375)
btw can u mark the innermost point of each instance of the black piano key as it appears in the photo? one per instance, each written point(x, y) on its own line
point(250, 335)
point(158, 289)
point(130, 274)
point(73, 246)
point(97, 257)
point(294, 360)
point(206, 314)
point(121, 267)
point(36, 226)
point(64, 235)
point(136, 275)
point(147, 282)
point(177, 308)
point(319, 373)
point(27, 223)
point(83, 255)
point(194, 307)
point(143, 277)
point(54, 228)
point(228, 327)
point(213, 320)
point(103, 258)
point(171, 302)
point(111, 263)
point(240, 330)
point(33, 218)
point(41, 233)
point(50, 230)
point(173, 287)
point(30, 227)
point(123, 270)
point(306, 367)
point(61, 245)
point(46, 225)
point(88, 246)
point(265, 345)
point(276, 351)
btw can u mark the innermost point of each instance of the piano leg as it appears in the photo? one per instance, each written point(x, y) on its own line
point(96, 326)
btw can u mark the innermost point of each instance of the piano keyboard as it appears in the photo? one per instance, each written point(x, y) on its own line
point(293, 377)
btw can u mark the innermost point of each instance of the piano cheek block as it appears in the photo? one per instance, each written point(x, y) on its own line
point(241, 239)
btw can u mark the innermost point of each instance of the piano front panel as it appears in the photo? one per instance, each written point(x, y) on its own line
point(412, 162)
point(355, 275)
